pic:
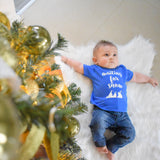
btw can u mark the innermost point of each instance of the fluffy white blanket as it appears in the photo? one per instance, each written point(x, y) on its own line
point(143, 101)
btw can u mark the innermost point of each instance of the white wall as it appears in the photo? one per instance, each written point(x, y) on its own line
point(7, 7)
point(82, 21)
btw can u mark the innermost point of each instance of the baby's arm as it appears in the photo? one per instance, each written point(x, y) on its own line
point(77, 66)
point(141, 78)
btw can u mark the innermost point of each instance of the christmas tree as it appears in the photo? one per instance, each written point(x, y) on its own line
point(45, 106)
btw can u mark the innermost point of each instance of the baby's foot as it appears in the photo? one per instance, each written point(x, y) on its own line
point(102, 149)
point(110, 155)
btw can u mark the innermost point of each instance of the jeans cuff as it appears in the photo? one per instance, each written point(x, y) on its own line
point(100, 144)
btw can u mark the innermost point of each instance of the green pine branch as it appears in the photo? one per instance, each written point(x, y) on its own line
point(60, 45)
point(74, 109)
point(37, 114)
point(55, 66)
point(16, 28)
point(48, 82)
point(74, 92)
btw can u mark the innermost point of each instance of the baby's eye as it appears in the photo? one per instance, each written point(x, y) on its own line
point(115, 55)
point(107, 54)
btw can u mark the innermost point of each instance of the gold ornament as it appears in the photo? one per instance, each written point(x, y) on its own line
point(47, 145)
point(4, 32)
point(31, 142)
point(37, 39)
point(9, 129)
point(4, 86)
point(42, 67)
point(31, 88)
point(17, 38)
point(73, 126)
point(4, 20)
point(61, 89)
point(7, 53)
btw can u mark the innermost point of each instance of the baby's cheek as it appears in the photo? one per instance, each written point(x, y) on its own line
point(104, 61)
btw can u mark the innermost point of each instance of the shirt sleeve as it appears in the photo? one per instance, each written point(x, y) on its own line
point(129, 75)
point(88, 71)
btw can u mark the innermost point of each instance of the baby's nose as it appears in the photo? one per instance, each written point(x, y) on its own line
point(111, 57)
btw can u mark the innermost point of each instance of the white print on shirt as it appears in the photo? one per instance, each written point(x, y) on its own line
point(114, 84)
point(115, 95)
point(111, 73)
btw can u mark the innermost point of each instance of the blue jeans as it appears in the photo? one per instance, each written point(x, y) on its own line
point(119, 122)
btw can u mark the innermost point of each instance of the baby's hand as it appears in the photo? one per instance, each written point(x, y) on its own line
point(64, 59)
point(77, 66)
point(153, 82)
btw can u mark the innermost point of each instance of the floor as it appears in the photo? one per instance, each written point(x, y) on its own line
point(81, 22)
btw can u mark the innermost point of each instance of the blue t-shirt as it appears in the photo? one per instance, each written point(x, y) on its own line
point(109, 86)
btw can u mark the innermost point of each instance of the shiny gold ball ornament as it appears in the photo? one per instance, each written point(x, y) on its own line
point(37, 40)
point(6, 53)
point(9, 129)
point(4, 86)
point(4, 32)
point(73, 126)
point(66, 126)
point(31, 88)
point(4, 20)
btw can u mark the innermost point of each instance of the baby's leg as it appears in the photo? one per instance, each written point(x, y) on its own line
point(98, 127)
point(100, 121)
point(125, 133)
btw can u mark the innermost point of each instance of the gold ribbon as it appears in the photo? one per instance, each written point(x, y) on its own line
point(61, 90)
point(32, 142)
point(52, 144)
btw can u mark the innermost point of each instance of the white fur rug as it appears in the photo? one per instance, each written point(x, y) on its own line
point(143, 101)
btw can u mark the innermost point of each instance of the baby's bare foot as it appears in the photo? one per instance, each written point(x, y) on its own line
point(102, 149)
point(110, 155)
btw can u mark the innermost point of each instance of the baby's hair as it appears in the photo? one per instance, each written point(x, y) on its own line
point(103, 43)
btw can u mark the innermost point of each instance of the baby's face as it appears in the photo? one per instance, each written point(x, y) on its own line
point(106, 56)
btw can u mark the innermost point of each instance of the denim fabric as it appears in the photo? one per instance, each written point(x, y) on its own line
point(119, 122)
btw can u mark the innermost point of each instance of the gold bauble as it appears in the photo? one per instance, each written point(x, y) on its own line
point(7, 53)
point(37, 39)
point(4, 20)
point(4, 86)
point(73, 126)
point(9, 129)
point(4, 32)
point(31, 88)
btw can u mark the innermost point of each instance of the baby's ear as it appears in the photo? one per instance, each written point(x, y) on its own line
point(94, 59)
